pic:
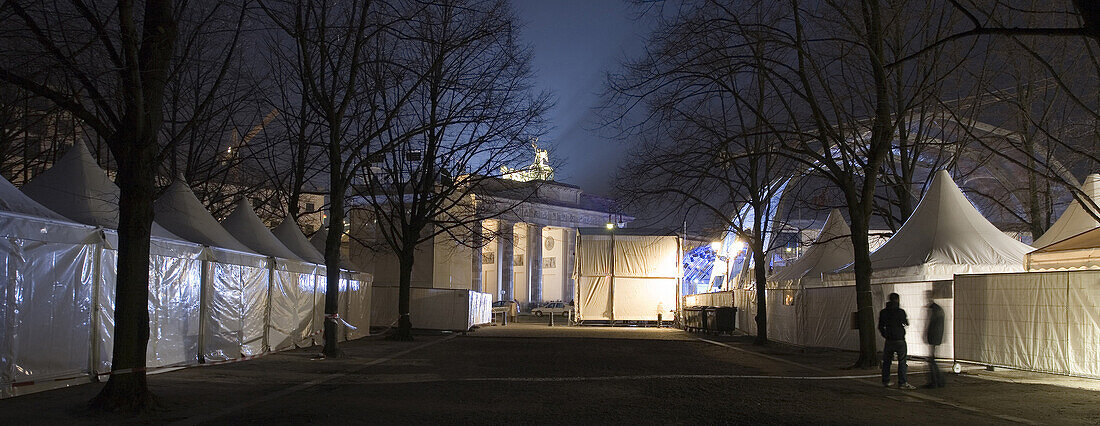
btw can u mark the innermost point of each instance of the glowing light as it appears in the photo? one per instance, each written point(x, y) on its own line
point(716, 246)
point(789, 249)
point(737, 246)
point(610, 225)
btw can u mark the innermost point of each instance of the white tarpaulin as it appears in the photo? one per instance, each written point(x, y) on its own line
point(1076, 219)
point(433, 308)
point(1080, 251)
point(626, 275)
point(1041, 321)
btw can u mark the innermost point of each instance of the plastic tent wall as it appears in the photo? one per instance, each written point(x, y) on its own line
point(626, 275)
point(1080, 251)
point(1076, 219)
point(206, 303)
point(1039, 321)
point(77, 188)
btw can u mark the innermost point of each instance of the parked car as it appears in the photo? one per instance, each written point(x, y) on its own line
point(552, 308)
point(501, 306)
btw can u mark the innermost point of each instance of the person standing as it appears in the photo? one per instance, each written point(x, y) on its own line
point(933, 335)
point(891, 324)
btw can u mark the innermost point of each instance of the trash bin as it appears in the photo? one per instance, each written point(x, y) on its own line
point(710, 323)
point(695, 318)
point(725, 319)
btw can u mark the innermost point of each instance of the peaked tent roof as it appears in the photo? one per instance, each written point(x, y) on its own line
point(944, 236)
point(831, 250)
point(181, 212)
point(1081, 251)
point(247, 228)
point(291, 236)
point(76, 187)
point(14, 201)
point(1075, 219)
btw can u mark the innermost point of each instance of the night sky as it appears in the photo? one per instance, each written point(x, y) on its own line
point(575, 43)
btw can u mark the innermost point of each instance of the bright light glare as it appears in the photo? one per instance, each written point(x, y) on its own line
point(610, 225)
point(716, 246)
point(738, 245)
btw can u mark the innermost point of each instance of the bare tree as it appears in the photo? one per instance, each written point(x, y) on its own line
point(108, 67)
point(473, 112)
point(347, 57)
point(701, 109)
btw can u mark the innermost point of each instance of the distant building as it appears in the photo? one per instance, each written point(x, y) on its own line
point(526, 252)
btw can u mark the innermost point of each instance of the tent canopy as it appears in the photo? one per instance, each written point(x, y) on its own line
point(1081, 251)
point(77, 188)
point(831, 250)
point(1076, 219)
point(13, 201)
point(181, 212)
point(944, 236)
point(247, 228)
point(291, 236)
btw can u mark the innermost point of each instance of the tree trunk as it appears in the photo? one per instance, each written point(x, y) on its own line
point(126, 389)
point(759, 260)
point(404, 323)
point(864, 304)
point(332, 274)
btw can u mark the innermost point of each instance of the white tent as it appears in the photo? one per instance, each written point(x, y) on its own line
point(181, 212)
point(1075, 219)
point(1081, 251)
point(247, 228)
point(13, 201)
point(831, 250)
point(291, 236)
point(626, 275)
point(77, 188)
point(793, 292)
point(945, 236)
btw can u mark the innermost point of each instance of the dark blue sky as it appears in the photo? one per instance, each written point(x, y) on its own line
point(575, 43)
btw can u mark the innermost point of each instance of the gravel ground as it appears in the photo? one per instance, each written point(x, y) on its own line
point(528, 372)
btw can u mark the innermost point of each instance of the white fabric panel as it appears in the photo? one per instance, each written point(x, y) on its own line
point(223, 307)
point(1084, 324)
point(107, 277)
point(481, 308)
point(785, 321)
point(429, 308)
point(594, 255)
point(645, 256)
point(1075, 219)
point(45, 319)
point(722, 298)
point(1016, 320)
point(745, 302)
point(1081, 251)
point(593, 298)
point(641, 299)
point(828, 318)
point(359, 305)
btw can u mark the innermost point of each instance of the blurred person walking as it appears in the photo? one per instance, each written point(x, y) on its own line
point(933, 335)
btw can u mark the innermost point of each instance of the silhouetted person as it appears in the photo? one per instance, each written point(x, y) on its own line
point(891, 324)
point(933, 335)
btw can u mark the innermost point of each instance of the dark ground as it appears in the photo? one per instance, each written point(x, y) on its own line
point(531, 373)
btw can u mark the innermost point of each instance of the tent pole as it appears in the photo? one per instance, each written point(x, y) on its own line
point(97, 270)
point(611, 283)
point(204, 281)
point(267, 309)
